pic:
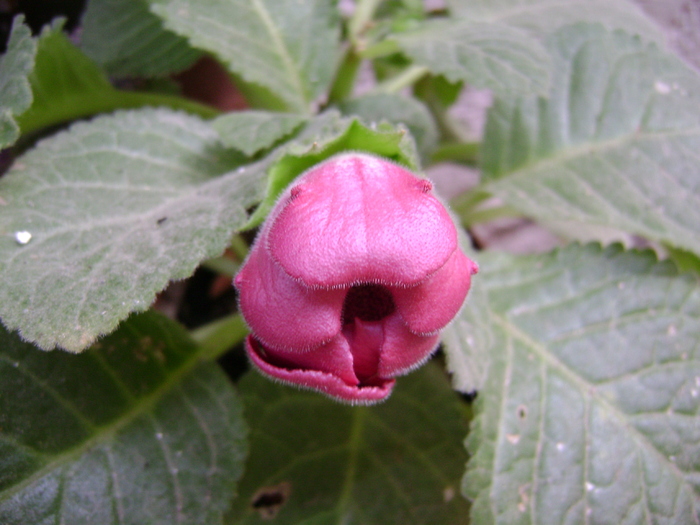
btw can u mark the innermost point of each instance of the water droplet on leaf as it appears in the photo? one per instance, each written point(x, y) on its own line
point(23, 237)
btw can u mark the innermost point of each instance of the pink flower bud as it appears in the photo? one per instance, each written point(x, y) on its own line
point(353, 275)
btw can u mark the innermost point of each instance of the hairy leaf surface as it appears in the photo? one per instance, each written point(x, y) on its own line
point(615, 145)
point(488, 55)
point(252, 131)
point(542, 17)
point(126, 39)
point(591, 408)
point(115, 209)
point(289, 47)
point(15, 91)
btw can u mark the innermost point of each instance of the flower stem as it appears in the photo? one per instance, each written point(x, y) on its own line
point(361, 18)
point(488, 215)
point(222, 265)
point(405, 79)
point(217, 337)
point(239, 247)
point(464, 204)
point(344, 82)
point(461, 152)
point(382, 48)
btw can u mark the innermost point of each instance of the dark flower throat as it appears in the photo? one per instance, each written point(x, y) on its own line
point(367, 302)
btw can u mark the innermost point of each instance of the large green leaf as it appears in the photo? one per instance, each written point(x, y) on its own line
point(133, 431)
point(591, 408)
point(125, 38)
point(615, 145)
point(289, 47)
point(15, 91)
point(315, 461)
point(67, 85)
point(546, 16)
point(115, 209)
point(489, 55)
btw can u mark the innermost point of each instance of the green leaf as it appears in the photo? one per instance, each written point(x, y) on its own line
point(126, 39)
point(116, 208)
point(252, 131)
point(15, 91)
point(325, 136)
point(488, 55)
point(396, 109)
point(686, 261)
point(457, 140)
point(398, 462)
point(591, 408)
point(615, 145)
point(291, 48)
point(67, 85)
point(542, 17)
point(135, 430)
point(63, 81)
point(437, 87)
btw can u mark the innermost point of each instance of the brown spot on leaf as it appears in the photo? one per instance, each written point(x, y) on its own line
point(524, 492)
point(158, 352)
point(522, 411)
point(269, 500)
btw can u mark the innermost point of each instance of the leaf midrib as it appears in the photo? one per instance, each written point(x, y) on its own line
point(562, 157)
point(586, 389)
point(283, 53)
point(581, 150)
point(354, 445)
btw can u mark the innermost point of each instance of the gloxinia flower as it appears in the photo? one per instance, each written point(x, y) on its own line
point(353, 275)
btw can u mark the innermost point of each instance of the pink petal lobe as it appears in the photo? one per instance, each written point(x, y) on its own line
point(334, 358)
point(403, 350)
point(431, 305)
point(357, 218)
point(281, 312)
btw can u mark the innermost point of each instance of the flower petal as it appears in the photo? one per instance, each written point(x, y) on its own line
point(281, 312)
point(366, 339)
point(403, 350)
point(357, 218)
point(432, 304)
point(334, 359)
